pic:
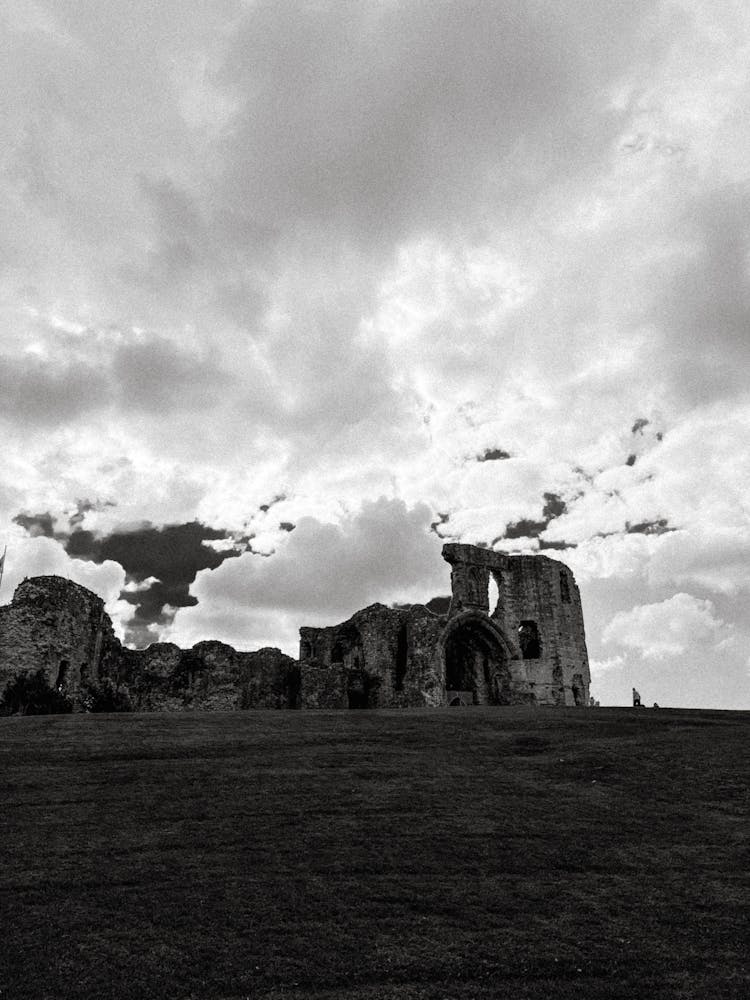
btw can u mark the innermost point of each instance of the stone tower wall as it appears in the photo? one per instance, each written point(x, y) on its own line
point(536, 590)
point(542, 590)
point(59, 626)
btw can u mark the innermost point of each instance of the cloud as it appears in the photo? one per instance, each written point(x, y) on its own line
point(159, 564)
point(323, 573)
point(668, 628)
point(170, 557)
point(398, 116)
point(45, 393)
point(157, 376)
point(600, 668)
point(712, 557)
point(38, 555)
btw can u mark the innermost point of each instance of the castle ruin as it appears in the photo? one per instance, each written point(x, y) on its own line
point(529, 648)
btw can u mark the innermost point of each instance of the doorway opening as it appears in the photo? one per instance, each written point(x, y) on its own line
point(476, 666)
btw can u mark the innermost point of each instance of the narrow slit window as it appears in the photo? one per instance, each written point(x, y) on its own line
point(62, 676)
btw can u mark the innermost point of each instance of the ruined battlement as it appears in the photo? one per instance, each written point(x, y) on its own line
point(59, 626)
point(62, 628)
point(529, 648)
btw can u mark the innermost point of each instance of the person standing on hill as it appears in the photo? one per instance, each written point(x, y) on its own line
point(636, 699)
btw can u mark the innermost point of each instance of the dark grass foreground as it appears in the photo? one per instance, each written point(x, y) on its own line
point(424, 854)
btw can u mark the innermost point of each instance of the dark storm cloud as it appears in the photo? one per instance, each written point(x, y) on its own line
point(83, 507)
point(173, 554)
point(658, 527)
point(559, 546)
point(493, 455)
point(383, 119)
point(435, 526)
point(265, 507)
point(43, 524)
point(554, 506)
point(37, 524)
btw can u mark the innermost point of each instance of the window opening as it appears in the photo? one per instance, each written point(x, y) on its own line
point(62, 675)
point(493, 594)
point(529, 641)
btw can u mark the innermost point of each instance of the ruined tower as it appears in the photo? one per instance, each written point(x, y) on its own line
point(529, 648)
point(59, 626)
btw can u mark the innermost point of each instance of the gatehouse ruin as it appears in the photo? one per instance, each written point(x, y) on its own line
point(527, 647)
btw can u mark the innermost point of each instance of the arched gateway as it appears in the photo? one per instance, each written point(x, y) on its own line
point(476, 657)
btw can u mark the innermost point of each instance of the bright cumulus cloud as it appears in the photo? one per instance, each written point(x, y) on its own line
point(669, 628)
point(283, 285)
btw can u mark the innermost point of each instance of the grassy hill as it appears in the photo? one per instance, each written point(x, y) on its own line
point(460, 853)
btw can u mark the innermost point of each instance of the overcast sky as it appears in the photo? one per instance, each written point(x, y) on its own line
point(291, 291)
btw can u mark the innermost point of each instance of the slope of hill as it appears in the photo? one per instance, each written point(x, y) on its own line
point(473, 853)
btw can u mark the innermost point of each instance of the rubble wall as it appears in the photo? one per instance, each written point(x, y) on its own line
point(58, 626)
point(61, 627)
point(211, 676)
point(379, 658)
point(529, 648)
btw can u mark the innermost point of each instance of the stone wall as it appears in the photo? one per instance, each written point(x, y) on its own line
point(58, 626)
point(211, 676)
point(529, 648)
point(61, 627)
point(380, 658)
point(539, 613)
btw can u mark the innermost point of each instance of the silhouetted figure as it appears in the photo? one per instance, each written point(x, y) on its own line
point(636, 699)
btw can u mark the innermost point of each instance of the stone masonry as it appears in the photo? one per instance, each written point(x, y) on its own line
point(62, 628)
point(528, 649)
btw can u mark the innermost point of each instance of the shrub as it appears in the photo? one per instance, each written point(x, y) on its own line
point(31, 693)
point(106, 696)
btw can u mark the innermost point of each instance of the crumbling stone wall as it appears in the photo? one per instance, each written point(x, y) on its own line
point(380, 658)
point(58, 626)
point(63, 628)
point(538, 611)
point(529, 649)
point(211, 676)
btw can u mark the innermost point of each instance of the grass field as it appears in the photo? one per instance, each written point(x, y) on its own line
point(459, 853)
